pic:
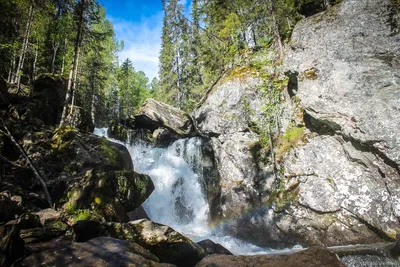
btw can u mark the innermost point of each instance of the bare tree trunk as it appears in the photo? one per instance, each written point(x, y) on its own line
point(74, 86)
point(67, 98)
point(65, 54)
point(74, 66)
point(55, 49)
point(178, 83)
point(275, 27)
point(35, 60)
point(92, 107)
point(10, 72)
point(32, 167)
point(24, 47)
point(277, 35)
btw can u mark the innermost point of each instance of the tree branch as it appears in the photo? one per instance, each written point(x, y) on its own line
point(30, 164)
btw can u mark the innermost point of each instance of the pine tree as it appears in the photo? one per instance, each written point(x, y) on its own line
point(173, 53)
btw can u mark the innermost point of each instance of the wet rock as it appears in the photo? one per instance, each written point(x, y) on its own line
point(315, 256)
point(163, 137)
point(211, 248)
point(125, 131)
point(168, 245)
point(153, 115)
point(11, 245)
point(137, 214)
point(211, 179)
point(101, 251)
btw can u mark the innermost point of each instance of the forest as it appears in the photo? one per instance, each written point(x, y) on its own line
point(74, 41)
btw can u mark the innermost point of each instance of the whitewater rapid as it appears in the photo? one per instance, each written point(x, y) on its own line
point(179, 197)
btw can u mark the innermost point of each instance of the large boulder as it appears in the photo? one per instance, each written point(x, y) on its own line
point(232, 116)
point(348, 86)
point(101, 251)
point(87, 150)
point(48, 95)
point(336, 180)
point(110, 194)
point(312, 257)
point(89, 176)
point(153, 115)
point(164, 242)
point(344, 182)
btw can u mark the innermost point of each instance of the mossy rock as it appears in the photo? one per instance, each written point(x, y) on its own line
point(74, 152)
point(292, 138)
point(52, 230)
point(107, 196)
point(284, 194)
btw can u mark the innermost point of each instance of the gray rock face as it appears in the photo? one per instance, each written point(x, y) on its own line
point(348, 61)
point(341, 185)
point(227, 108)
point(226, 116)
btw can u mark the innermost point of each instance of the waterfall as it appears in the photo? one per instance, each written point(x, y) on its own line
point(179, 199)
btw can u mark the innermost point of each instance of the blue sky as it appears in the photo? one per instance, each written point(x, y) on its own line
point(138, 23)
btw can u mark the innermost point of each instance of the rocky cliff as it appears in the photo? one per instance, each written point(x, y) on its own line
point(330, 172)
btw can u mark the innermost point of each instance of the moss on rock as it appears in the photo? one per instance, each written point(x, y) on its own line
point(107, 196)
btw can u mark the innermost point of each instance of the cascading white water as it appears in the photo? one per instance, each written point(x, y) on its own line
point(179, 197)
point(177, 200)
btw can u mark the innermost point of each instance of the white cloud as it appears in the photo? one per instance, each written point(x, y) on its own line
point(142, 42)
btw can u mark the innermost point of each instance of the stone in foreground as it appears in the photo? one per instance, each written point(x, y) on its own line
point(164, 242)
point(102, 251)
point(312, 257)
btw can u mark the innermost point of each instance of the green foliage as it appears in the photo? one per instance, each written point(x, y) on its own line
point(77, 214)
point(292, 137)
point(133, 89)
point(282, 197)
